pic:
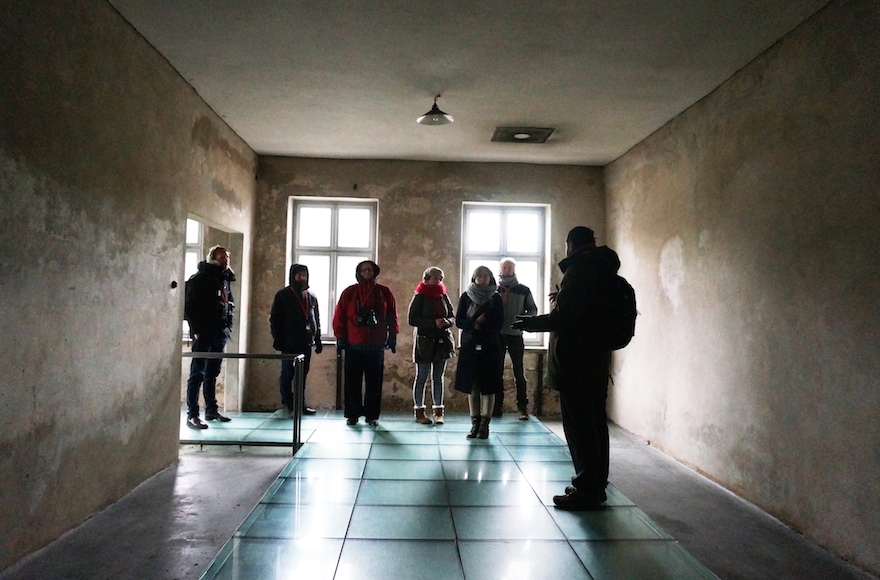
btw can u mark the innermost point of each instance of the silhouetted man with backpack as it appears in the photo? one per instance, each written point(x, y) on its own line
point(579, 361)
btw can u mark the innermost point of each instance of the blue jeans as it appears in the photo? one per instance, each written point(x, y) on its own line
point(203, 373)
point(286, 380)
point(422, 370)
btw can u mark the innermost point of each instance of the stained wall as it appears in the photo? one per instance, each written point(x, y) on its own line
point(749, 227)
point(420, 208)
point(104, 151)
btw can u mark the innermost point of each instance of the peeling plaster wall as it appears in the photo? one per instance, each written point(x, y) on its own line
point(420, 206)
point(104, 151)
point(749, 228)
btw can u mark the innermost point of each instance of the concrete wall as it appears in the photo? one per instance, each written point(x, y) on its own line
point(420, 207)
point(104, 151)
point(749, 228)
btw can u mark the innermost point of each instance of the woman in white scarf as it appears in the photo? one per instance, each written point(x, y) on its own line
point(479, 315)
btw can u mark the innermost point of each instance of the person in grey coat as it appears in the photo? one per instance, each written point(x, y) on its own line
point(518, 301)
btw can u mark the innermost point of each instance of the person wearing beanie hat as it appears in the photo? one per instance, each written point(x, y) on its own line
point(295, 322)
point(365, 324)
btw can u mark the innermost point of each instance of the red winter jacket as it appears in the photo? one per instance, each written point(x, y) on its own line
point(366, 295)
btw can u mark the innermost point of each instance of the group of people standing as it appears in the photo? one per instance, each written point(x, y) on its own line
point(491, 317)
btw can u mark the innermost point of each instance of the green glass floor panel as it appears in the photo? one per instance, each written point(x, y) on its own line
point(401, 523)
point(505, 523)
point(399, 560)
point(411, 492)
point(514, 559)
point(657, 560)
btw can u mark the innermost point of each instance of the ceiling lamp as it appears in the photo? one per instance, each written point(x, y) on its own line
point(435, 116)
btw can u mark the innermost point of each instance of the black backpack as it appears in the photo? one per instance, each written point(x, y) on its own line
point(618, 312)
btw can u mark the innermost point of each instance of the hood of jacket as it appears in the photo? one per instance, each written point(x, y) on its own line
point(214, 268)
point(357, 270)
point(291, 277)
point(602, 258)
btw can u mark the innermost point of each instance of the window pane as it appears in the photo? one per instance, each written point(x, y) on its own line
point(523, 232)
point(473, 264)
point(319, 284)
point(354, 227)
point(193, 229)
point(313, 228)
point(345, 272)
point(527, 273)
point(483, 231)
point(190, 264)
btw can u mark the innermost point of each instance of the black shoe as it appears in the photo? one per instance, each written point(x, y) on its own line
point(373, 422)
point(195, 423)
point(576, 501)
point(309, 411)
point(216, 416)
point(351, 421)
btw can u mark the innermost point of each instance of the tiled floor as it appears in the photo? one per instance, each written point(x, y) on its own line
point(409, 501)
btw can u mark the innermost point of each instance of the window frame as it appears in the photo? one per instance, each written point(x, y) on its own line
point(197, 248)
point(334, 252)
point(541, 291)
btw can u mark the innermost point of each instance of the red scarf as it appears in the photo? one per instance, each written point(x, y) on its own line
point(431, 290)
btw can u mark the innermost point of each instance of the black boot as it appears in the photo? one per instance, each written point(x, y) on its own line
point(483, 432)
point(475, 427)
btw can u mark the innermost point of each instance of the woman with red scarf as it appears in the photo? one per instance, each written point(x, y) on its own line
point(365, 324)
point(430, 312)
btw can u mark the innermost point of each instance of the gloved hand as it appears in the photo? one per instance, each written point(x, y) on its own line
point(319, 346)
point(391, 343)
point(341, 344)
point(523, 323)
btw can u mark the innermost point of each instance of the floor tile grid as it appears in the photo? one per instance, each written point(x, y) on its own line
point(468, 549)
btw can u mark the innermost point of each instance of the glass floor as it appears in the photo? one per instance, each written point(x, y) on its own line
point(409, 501)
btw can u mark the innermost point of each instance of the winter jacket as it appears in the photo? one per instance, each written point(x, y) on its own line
point(208, 302)
point(356, 302)
point(519, 301)
point(480, 357)
point(572, 321)
point(295, 320)
point(429, 342)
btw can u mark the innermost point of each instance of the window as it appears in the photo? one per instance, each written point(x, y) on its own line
point(191, 259)
point(331, 236)
point(492, 232)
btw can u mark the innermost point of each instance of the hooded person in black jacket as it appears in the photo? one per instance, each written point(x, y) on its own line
point(579, 366)
point(296, 326)
point(208, 308)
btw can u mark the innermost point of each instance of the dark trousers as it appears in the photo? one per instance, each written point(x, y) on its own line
point(585, 422)
point(203, 373)
point(285, 383)
point(515, 347)
point(363, 367)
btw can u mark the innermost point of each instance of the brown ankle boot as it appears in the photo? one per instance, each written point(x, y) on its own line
point(483, 432)
point(438, 415)
point(475, 427)
point(420, 416)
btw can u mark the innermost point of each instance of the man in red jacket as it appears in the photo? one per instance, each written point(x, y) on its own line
point(365, 324)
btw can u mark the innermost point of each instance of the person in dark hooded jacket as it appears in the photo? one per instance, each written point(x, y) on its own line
point(295, 322)
point(578, 367)
point(208, 308)
point(365, 324)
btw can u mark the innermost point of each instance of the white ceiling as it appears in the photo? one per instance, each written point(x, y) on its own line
point(347, 78)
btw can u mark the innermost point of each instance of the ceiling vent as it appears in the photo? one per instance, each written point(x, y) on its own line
point(522, 134)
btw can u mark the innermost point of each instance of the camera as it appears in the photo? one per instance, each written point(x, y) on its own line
point(367, 317)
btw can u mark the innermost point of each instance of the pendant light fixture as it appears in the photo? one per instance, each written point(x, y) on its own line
point(435, 116)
